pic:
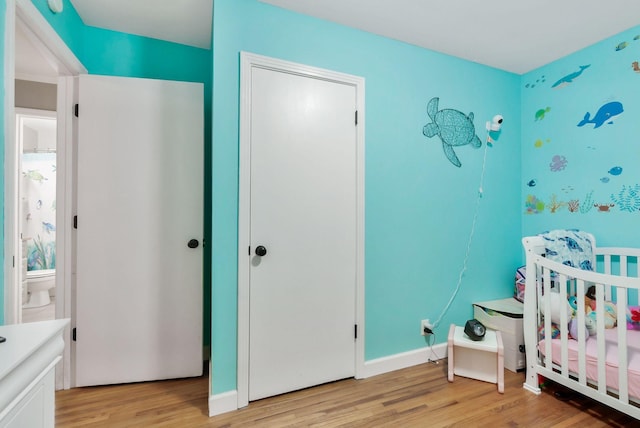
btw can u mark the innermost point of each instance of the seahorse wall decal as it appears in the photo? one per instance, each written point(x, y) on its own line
point(453, 127)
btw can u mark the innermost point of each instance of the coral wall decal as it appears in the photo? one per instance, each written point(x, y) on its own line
point(573, 205)
point(554, 204)
point(533, 205)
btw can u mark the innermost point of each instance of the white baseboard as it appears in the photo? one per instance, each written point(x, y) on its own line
point(404, 360)
point(228, 401)
point(223, 403)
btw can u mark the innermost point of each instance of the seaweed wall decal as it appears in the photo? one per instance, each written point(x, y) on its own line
point(586, 206)
point(628, 198)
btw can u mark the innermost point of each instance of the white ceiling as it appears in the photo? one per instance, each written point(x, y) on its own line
point(181, 21)
point(512, 35)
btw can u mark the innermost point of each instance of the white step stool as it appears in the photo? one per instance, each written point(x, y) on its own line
point(481, 360)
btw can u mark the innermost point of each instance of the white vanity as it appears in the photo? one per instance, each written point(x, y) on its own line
point(27, 380)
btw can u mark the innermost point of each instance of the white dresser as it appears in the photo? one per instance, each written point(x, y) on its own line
point(27, 381)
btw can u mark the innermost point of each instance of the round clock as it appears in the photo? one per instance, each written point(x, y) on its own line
point(55, 6)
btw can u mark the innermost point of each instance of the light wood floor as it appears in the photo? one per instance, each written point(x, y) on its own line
point(419, 396)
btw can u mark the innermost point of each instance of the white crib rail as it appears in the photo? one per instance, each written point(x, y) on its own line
point(612, 280)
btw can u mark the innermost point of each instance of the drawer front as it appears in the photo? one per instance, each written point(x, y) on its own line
point(498, 321)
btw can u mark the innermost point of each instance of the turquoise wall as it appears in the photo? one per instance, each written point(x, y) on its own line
point(419, 207)
point(585, 176)
point(112, 53)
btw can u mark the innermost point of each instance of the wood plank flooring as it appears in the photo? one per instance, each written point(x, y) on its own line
point(418, 396)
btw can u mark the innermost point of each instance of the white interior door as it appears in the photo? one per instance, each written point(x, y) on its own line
point(140, 201)
point(303, 212)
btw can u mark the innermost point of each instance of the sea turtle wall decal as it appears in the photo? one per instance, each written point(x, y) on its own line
point(453, 127)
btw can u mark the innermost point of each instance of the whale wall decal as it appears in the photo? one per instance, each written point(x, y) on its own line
point(605, 114)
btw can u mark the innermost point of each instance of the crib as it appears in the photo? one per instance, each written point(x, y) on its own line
point(582, 362)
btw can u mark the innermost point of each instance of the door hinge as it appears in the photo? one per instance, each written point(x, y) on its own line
point(356, 117)
point(14, 261)
point(75, 110)
point(73, 334)
point(75, 221)
point(249, 250)
point(355, 331)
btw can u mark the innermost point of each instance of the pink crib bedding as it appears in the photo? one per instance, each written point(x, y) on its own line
point(633, 357)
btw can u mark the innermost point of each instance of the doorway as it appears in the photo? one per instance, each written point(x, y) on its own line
point(22, 14)
point(35, 56)
point(301, 219)
point(36, 200)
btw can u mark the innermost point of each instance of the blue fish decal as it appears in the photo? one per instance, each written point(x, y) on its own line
point(606, 113)
point(48, 227)
point(605, 179)
point(616, 170)
point(531, 183)
point(621, 46)
point(569, 77)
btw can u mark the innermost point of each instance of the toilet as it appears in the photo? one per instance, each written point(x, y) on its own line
point(39, 282)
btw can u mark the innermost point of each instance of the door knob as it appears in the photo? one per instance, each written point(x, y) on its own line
point(193, 243)
point(261, 251)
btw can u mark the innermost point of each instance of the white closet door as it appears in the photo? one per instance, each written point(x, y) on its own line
point(140, 202)
point(303, 211)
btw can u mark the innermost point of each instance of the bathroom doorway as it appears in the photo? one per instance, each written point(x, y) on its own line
point(36, 179)
point(34, 175)
point(35, 56)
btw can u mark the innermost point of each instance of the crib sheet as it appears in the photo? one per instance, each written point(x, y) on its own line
point(633, 356)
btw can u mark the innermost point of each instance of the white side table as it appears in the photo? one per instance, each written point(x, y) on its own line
point(481, 360)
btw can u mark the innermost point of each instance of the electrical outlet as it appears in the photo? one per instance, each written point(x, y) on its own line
point(426, 328)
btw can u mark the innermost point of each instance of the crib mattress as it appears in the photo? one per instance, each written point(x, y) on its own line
point(633, 356)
